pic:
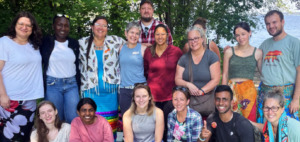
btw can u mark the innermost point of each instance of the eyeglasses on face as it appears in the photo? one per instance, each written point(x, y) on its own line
point(26, 25)
point(63, 15)
point(273, 108)
point(180, 88)
point(194, 39)
point(99, 25)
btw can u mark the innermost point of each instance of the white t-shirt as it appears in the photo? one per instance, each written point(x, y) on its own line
point(62, 136)
point(22, 71)
point(62, 61)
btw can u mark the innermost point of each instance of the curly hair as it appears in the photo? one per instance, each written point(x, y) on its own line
point(36, 36)
point(41, 128)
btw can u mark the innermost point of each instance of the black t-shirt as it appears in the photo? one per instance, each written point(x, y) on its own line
point(238, 129)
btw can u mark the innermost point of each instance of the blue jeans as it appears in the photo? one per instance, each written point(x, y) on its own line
point(63, 93)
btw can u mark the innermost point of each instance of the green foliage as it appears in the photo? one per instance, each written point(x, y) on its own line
point(177, 14)
point(222, 15)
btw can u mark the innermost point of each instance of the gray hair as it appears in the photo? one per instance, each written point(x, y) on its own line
point(133, 25)
point(200, 31)
point(276, 95)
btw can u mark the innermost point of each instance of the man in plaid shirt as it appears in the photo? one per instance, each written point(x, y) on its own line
point(148, 24)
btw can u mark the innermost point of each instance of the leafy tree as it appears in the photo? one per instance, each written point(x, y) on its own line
point(221, 14)
point(177, 14)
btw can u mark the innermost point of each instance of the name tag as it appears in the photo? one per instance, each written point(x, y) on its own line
point(134, 53)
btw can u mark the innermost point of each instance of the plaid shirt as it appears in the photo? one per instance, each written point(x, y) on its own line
point(150, 37)
point(193, 125)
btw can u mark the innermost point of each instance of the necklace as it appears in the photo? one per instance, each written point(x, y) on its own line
point(98, 47)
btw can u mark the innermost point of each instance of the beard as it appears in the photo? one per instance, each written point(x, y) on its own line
point(277, 33)
point(146, 19)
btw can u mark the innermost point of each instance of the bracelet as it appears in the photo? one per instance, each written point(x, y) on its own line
point(202, 91)
point(201, 138)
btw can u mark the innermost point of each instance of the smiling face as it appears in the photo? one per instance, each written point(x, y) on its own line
point(242, 36)
point(132, 35)
point(180, 102)
point(87, 114)
point(23, 28)
point(160, 36)
point(274, 24)
point(47, 114)
point(146, 12)
point(100, 28)
point(141, 98)
point(194, 40)
point(223, 102)
point(272, 115)
point(61, 28)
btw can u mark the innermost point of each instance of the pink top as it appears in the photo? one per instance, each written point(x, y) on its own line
point(99, 131)
point(160, 72)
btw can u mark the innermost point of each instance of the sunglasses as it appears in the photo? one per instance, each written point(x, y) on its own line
point(63, 15)
point(181, 88)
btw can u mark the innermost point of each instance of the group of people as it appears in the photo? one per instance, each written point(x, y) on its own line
point(164, 93)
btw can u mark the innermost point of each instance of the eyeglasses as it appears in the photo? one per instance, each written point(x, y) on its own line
point(63, 15)
point(180, 88)
point(26, 25)
point(194, 39)
point(273, 108)
point(143, 83)
point(98, 25)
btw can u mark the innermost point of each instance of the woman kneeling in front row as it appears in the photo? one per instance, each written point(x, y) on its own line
point(184, 123)
point(90, 127)
point(143, 122)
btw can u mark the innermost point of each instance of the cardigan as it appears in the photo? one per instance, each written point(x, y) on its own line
point(46, 50)
point(110, 58)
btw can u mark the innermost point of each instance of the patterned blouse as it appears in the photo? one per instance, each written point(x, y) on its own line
point(111, 67)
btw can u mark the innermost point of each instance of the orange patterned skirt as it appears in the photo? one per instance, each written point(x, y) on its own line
point(244, 97)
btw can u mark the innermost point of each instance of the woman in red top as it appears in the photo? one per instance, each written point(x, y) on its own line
point(160, 62)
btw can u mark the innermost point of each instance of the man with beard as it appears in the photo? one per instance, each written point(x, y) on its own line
point(148, 24)
point(280, 65)
point(226, 125)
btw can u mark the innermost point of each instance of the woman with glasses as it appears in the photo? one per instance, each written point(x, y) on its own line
point(239, 67)
point(211, 45)
point(160, 62)
point(89, 126)
point(143, 122)
point(279, 127)
point(184, 123)
point(21, 82)
point(60, 68)
point(131, 65)
point(49, 128)
point(99, 68)
point(199, 69)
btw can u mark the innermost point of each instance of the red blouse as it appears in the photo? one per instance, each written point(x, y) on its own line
point(160, 72)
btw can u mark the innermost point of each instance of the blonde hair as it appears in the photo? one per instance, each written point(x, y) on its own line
point(133, 106)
